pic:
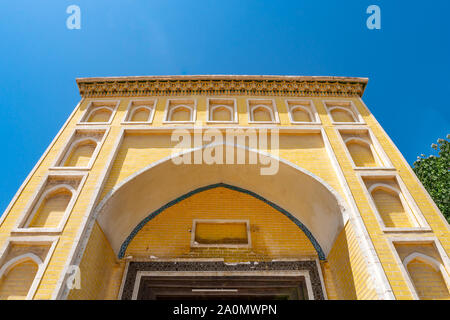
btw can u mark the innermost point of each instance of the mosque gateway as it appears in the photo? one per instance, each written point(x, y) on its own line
point(213, 187)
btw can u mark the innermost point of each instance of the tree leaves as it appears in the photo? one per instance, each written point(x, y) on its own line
point(434, 172)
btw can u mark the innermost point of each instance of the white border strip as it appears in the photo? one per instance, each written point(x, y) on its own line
point(295, 273)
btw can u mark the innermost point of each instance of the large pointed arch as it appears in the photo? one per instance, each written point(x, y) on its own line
point(308, 233)
point(304, 197)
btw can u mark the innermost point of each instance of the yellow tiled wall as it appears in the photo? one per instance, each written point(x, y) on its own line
point(345, 262)
point(100, 273)
point(346, 267)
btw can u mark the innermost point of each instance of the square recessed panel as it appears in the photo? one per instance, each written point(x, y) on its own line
point(221, 233)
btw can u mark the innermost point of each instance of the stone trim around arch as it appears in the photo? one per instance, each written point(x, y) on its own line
point(152, 215)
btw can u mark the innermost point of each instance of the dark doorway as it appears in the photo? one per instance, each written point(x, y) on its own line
point(222, 288)
point(200, 280)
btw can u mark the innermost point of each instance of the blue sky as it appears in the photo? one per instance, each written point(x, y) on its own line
point(407, 61)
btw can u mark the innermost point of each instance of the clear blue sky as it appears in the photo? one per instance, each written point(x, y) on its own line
point(407, 61)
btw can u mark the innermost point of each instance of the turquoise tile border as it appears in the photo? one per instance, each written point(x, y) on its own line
point(310, 236)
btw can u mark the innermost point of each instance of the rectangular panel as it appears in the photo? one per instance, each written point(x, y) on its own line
point(210, 232)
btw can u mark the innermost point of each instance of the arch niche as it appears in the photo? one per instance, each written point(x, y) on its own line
point(303, 197)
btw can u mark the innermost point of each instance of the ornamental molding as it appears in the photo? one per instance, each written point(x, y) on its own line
point(221, 85)
point(135, 267)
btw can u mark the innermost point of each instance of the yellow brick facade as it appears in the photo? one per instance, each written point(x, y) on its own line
point(374, 234)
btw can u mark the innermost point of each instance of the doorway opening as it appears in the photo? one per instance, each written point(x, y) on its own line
point(216, 280)
point(222, 288)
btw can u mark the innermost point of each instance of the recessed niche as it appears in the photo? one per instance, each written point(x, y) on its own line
point(301, 111)
point(99, 112)
point(51, 206)
point(81, 150)
point(424, 269)
point(180, 110)
point(21, 268)
point(262, 111)
point(140, 111)
point(222, 110)
point(390, 202)
point(362, 150)
point(343, 112)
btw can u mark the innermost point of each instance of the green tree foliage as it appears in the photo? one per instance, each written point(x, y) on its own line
point(434, 172)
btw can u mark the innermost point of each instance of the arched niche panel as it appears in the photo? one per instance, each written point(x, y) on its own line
point(221, 110)
point(302, 111)
point(340, 114)
point(364, 149)
point(390, 207)
point(100, 114)
point(262, 113)
point(181, 113)
point(361, 153)
point(140, 114)
point(140, 111)
point(428, 277)
point(51, 208)
point(180, 110)
point(81, 149)
point(80, 153)
point(222, 114)
point(299, 114)
point(17, 276)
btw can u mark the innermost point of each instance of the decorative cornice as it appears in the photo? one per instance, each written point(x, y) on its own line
point(221, 85)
